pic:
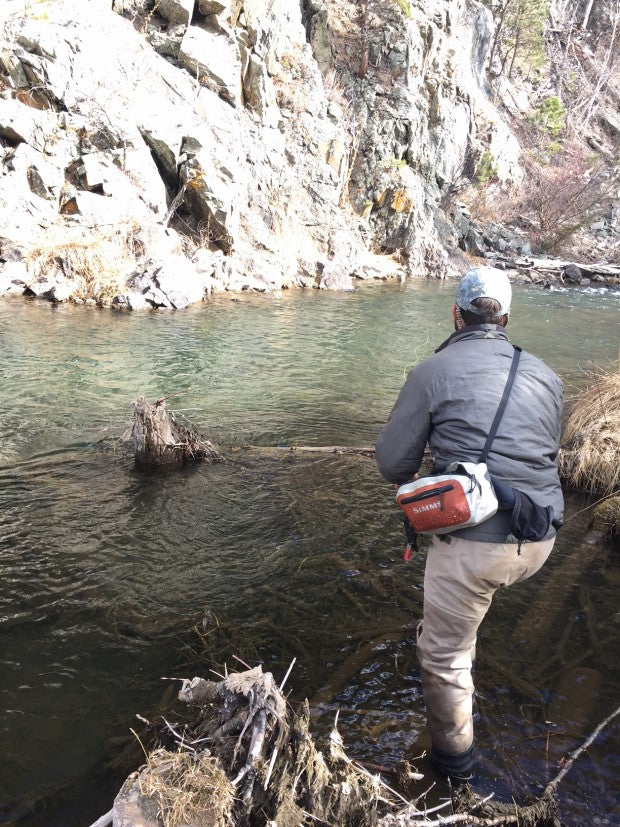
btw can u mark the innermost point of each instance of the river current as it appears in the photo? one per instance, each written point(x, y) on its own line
point(112, 578)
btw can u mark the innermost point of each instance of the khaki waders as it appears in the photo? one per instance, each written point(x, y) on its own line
point(460, 580)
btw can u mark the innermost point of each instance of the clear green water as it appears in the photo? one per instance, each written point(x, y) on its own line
point(105, 569)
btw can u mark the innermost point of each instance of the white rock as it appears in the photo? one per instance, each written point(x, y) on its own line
point(19, 122)
point(13, 277)
point(179, 282)
point(131, 301)
point(213, 59)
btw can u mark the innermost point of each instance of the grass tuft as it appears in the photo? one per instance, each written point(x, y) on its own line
point(589, 457)
point(95, 266)
point(188, 789)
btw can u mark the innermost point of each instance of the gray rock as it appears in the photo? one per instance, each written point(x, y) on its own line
point(14, 70)
point(131, 301)
point(168, 42)
point(176, 11)
point(259, 92)
point(208, 7)
point(610, 121)
point(131, 8)
point(526, 249)
point(211, 174)
point(572, 273)
point(132, 809)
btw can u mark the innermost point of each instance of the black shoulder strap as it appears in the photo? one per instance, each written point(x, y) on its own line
point(502, 404)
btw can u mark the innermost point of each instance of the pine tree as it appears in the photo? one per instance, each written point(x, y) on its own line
point(519, 34)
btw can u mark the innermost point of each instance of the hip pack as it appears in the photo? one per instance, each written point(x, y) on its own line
point(460, 497)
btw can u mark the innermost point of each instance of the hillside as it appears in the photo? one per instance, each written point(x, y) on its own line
point(155, 152)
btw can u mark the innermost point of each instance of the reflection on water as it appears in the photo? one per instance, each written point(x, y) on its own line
point(106, 568)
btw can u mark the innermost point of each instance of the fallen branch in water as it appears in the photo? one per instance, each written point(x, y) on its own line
point(494, 813)
point(366, 451)
point(575, 755)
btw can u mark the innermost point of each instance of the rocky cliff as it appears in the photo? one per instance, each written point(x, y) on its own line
point(154, 151)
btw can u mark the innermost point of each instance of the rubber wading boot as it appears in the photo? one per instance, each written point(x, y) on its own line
point(459, 768)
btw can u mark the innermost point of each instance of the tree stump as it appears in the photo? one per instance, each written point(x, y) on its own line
point(159, 439)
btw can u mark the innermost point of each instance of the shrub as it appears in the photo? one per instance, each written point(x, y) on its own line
point(486, 168)
point(566, 195)
point(404, 7)
point(550, 117)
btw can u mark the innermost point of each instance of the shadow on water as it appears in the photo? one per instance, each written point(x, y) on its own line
point(113, 577)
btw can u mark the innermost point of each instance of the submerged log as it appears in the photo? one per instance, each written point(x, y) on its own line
point(159, 439)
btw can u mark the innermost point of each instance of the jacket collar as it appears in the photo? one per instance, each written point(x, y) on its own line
point(475, 331)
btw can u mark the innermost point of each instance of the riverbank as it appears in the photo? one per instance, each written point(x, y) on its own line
point(167, 291)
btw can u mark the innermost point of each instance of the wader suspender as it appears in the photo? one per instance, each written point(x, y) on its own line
point(412, 537)
point(502, 404)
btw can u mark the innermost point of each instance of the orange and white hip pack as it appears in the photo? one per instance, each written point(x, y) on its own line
point(460, 497)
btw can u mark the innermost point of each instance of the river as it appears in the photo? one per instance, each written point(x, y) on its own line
point(113, 578)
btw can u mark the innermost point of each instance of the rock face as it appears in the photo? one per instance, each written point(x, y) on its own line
point(280, 146)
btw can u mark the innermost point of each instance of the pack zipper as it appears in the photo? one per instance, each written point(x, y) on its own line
point(426, 495)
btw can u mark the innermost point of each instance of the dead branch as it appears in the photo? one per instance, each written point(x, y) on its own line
point(575, 755)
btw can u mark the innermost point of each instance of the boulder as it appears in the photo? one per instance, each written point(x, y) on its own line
point(23, 124)
point(336, 275)
point(572, 274)
point(132, 300)
point(176, 11)
point(179, 281)
point(213, 59)
point(13, 278)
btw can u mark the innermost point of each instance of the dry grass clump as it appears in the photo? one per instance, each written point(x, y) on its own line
point(606, 519)
point(589, 457)
point(188, 789)
point(95, 265)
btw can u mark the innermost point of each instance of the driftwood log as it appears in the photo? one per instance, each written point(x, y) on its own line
point(160, 439)
point(564, 272)
point(243, 757)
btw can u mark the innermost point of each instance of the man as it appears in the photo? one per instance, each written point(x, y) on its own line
point(449, 401)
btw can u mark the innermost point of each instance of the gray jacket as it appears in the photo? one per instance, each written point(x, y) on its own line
point(449, 401)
